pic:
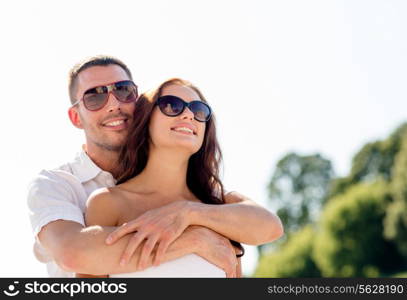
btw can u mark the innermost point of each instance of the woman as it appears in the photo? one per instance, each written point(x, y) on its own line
point(172, 154)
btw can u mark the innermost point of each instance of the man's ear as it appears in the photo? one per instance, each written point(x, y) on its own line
point(74, 117)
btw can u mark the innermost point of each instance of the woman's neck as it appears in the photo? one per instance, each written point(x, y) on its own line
point(165, 173)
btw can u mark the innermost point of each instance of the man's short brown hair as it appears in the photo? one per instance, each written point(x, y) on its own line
point(99, 60)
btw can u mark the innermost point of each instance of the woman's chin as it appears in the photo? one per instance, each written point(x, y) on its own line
point(187, 146)
point(186, 139)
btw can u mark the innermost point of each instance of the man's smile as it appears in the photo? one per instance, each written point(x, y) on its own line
point(116, 123)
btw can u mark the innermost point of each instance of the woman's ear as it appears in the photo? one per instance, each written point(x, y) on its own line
point(74, 117)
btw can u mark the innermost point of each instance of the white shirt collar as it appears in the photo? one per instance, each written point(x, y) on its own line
point(84, 168)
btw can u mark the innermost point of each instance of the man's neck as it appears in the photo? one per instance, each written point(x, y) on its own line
point(103, 158)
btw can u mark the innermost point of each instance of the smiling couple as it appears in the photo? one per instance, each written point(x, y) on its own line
point(143, 198)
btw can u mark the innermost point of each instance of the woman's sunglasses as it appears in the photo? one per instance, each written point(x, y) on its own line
point(96, 98)
point(173, 106)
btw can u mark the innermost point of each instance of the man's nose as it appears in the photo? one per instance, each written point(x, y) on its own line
point(113, 103)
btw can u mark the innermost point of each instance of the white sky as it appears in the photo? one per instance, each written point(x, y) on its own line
point(307, 76)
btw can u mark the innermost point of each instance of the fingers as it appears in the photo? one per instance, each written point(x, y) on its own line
point(228, 258)
point(162, 248)
point(121, 231)
point(230, 269)
point(155, 227)
point(216, 249)
point(233, 263)
point(146, 251)
point(230, 273)
point(132, 245)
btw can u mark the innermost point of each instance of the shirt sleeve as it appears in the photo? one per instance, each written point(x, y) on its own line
point(52, 197)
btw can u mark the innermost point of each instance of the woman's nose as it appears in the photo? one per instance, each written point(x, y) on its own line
point(187, 114)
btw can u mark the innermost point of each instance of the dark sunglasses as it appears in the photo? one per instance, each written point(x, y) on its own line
point(96, 98)
point(173, 106)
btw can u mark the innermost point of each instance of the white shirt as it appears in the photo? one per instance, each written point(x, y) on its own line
point(61, 194)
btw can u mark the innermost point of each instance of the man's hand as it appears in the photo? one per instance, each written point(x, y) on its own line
point(158, 227)
point(214, 247)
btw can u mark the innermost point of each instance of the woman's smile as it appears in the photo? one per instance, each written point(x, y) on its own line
point(184, 128)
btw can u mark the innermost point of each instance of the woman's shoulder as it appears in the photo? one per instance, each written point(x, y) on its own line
point(116, 198)
point(102, 196)
point(103, 207)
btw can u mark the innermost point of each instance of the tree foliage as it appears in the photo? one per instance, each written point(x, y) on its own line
point(351, 242)
point(363, 227)
point(299, 188)
point(374, 161)
point(396, 217)
point(293, 259)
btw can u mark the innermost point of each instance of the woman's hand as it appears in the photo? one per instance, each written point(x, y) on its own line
point(159, 226)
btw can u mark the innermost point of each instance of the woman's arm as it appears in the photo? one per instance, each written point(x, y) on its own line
point(240, 219)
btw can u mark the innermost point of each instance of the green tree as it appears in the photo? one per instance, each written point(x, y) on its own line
point(299, 188)
point(350, 241)
point(374, 161)
point(292, 259)
point(363, 231)
point(396, 217)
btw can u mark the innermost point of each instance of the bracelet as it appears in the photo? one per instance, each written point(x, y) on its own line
point(238, 245)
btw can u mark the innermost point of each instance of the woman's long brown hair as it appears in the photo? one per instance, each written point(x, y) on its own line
point(203, 166)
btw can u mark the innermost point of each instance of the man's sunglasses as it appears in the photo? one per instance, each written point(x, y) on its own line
point(96, 98)
point(173, 106)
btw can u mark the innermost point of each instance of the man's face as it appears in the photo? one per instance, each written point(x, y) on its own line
point(107, 127)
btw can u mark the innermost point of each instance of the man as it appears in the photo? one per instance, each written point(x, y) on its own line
point(102, 96)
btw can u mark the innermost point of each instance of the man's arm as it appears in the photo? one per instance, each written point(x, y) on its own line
point(83, 250)
point(76, 248)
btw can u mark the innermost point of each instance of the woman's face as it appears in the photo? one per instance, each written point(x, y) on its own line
point(182, 131)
